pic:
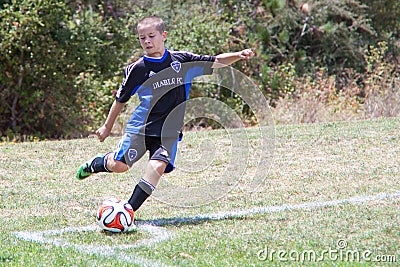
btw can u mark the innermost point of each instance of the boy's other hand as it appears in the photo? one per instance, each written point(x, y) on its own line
point(102, 133)
point(246, 54)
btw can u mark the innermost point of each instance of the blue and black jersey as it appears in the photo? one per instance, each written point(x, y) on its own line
point(162, 85)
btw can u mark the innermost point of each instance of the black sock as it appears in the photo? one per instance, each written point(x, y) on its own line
point(99, 164)
point(142, 191)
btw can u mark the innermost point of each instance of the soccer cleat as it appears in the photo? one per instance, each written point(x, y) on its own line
point(86, 169)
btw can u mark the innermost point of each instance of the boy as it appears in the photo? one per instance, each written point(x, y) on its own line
point(162, 82)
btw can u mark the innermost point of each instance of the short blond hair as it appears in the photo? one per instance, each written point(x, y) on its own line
point(155, 21)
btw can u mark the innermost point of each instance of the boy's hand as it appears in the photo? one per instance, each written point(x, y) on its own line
point(226, 59)
point(102, 133)
point(246, 54)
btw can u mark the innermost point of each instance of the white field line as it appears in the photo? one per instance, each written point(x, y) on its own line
point(160, 234)
point(271, 209)
point(52, 237)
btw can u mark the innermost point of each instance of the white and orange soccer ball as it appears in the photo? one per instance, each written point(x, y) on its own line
point(115, 215)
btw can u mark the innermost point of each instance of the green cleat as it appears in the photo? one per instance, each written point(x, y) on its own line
point(85, 170)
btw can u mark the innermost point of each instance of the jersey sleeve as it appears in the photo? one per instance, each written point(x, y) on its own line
point(206, 61)
point(130, 83)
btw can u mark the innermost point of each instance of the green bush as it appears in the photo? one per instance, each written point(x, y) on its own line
point(44, 49)
point(35, 68)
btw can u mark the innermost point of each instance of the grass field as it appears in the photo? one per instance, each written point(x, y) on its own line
point(330, 198)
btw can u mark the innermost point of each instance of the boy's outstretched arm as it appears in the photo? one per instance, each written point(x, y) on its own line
point(104, 131)
point(230, 58)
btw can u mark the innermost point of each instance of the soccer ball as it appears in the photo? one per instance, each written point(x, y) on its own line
point(115, 215)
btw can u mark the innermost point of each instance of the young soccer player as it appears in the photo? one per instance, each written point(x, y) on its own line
point(161, 78)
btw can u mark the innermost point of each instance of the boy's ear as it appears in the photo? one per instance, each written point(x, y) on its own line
point(164, 35)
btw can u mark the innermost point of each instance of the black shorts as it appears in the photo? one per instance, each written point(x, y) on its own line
point(132, 147)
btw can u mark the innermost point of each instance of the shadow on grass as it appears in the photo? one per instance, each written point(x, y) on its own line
point(177, 221)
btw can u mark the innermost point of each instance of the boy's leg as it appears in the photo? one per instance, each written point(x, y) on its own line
point(93, 165)
point(160, 157)
point(146, 185)
point(130, 149)
point(154, 170)
point(101, 163)
point(116, 166)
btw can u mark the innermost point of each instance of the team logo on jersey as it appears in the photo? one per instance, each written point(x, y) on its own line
point(151, 73)
point(176, 65)
point(132, 153)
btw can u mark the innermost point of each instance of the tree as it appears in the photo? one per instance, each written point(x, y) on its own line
point(46, 49)
point(34, 67)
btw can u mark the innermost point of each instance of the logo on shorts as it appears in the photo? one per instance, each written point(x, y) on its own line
point(176, 65)
point(132, 153)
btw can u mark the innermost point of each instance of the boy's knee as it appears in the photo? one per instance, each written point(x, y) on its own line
point(158, 166)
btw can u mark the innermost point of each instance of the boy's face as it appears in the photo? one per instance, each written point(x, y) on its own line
point(151, 40)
